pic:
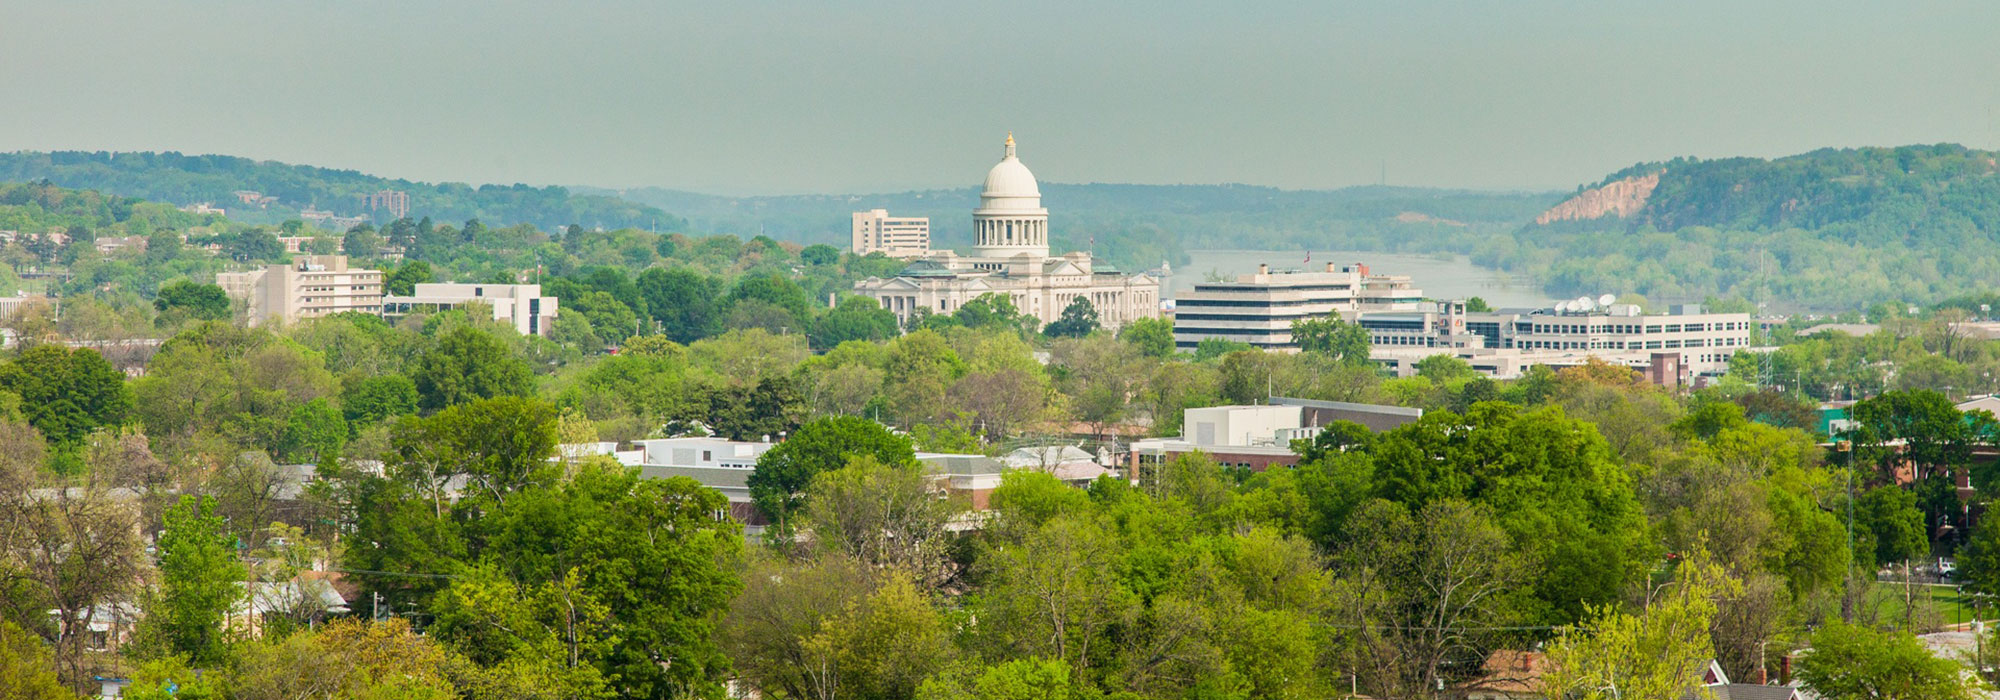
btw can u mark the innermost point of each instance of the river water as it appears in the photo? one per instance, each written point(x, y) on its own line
point(1439, 277)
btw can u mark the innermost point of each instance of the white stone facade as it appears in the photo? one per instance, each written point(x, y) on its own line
point(1011, 257)
point(519, 305)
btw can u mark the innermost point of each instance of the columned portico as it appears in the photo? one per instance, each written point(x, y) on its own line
point(1011, 256)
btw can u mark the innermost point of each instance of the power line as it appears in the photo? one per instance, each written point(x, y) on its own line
point(405, 575)
point(1417, 628)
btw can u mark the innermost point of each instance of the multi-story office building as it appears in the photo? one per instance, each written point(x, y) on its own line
point(310, 286)
point(897, 237)
point(520, 305)
point(1504, 343)
point(1259, 308)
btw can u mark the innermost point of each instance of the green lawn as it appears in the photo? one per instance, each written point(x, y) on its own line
point(1950, 607)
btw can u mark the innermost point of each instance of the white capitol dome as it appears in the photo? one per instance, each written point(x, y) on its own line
point(1009, 185)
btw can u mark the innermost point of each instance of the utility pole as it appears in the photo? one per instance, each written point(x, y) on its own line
point(1847, 596)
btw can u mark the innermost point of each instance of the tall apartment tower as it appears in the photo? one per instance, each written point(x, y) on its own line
point(309, 287)
point(876, 231)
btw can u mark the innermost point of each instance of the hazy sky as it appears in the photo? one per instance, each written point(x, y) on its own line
point(782, 96)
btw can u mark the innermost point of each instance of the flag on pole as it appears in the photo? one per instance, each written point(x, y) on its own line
point(1309, 255)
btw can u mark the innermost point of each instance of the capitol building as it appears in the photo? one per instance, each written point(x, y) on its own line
point(1011, 257)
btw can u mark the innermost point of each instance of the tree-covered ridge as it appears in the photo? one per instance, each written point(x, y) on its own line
point(1847, 190)
point(185, 179)
point(1140, 225)
point(37, 207)
point(1829, 229)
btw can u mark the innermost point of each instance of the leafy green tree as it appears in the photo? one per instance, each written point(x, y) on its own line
point(1056, 594)
point(497, 443)
point(885, 515)
point(1559, 493)
point(1153, 336)
point(27, 670)
point(403, 280)
point(361, 242)
point(1806, 545)
point(400, 233)
point(687, 304)
point(1331, 336)
point(629, 576)
point(1100, 374)
point(1934, 432)
point(783, 606)
point(819, 254)
point(171, 678)
point(994, 310)
point(920, 370)
point(466, 364)
point(206, 302)
point(1477, 305)
point(776, 291)
point(256, 245)
point(1888, 516)
point(608, 317)
point(884, 645)
point(1212, 348)
point(770, 409)
point(350, 659)
point(315, 433)
point(1000, 402)
point(1436, 583)
point(379, 397)
point(200, 583)
point(1849, 662)
point(1660, 653)
point(551, 632)
point(1078, 319)
point(856, 318)
point(1980, 558)
point(66, 393)
point(1444, 368)
point(784, 472)
point(1019, 679)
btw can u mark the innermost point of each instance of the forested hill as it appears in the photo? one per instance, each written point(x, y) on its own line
point(1833, 228)
point(1143, 224)
point(183, 179)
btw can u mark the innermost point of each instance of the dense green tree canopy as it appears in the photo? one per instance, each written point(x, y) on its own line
point(66, 393)
point(468, 363)
point(820, 446)
point(1078, 319)
point(200, 584)
point(199, 301)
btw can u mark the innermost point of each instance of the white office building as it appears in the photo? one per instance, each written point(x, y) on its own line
point(897, 237)
point(1505, 343)
point(1259, 308)
point(519, 305)
point(310, 286)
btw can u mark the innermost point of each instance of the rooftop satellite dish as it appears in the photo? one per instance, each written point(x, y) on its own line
point(1562, 307)
point(1583, 303)
point(1606, 300)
